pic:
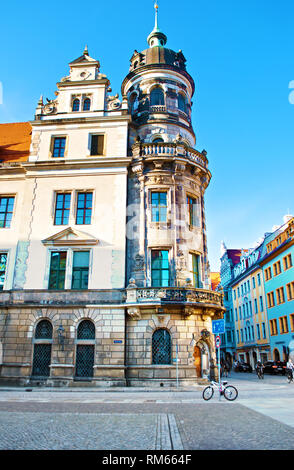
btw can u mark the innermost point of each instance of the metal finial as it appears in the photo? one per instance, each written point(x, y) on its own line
point(156, 13)
point(86, 50)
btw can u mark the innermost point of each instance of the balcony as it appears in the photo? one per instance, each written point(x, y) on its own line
point(170, 149)
point(118, 297)
point(174, 295)
point(157, 109)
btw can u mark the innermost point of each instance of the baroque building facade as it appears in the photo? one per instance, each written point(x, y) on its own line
point(104, 274)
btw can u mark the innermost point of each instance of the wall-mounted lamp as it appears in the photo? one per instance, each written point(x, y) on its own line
point(61, 336)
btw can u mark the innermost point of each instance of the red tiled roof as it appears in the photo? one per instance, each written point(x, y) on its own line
point(15, 141)
point(215, 280)
point(234, 255)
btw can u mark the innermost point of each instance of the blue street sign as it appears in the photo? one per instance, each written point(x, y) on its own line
point(218, 326)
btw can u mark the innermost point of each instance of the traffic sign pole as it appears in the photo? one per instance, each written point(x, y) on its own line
point(217, 345)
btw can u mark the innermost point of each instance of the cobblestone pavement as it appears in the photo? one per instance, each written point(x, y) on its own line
point(261, 418)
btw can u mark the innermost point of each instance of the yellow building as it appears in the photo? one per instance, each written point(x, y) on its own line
point(252, 338)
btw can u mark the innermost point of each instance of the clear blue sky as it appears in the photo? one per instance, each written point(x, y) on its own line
point(240, 54)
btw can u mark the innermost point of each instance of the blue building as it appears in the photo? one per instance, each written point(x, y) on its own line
point(229, 259)
point(278, 273)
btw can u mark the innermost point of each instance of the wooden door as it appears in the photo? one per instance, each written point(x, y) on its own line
point(197, 360)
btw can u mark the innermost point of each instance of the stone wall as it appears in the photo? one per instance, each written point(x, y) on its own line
point(18, 338)
point(185, 333)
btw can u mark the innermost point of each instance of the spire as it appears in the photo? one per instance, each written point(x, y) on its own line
point(156, 15)
point(86, 50)
point(156, 37)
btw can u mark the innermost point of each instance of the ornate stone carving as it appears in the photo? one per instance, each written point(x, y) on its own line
point(139, 262)
point(134, 313)
point(113, 102)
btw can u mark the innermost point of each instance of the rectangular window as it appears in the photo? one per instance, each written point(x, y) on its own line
point(234, 294)
point(6, 211)
point(159, 206)
point(57, 270)
point(263, 331)
point(273, 327)
point(192, 210)
point(253, 283)
point(236, 314)
point(242, 337)
point(280, 295)
point(290, 290)
point(292, 321)
point(58, 147)
point(261, 303)
point(238, 288)
point(159, 268)
point(255, 306)
point(62, 208)
point(268, 273)
point(240, 313)
point(97, 144)
point(3, 265)
point(194, 269)
point(270, 299)
point(287, 261)
point(277, 268)
point(258, 331)
point(238, 336)
point(283, 325)
point(80, 270)
point(84, 208)
point(252, 332)
point(258, 279)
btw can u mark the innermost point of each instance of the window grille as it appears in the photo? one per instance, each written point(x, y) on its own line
point(161, 347)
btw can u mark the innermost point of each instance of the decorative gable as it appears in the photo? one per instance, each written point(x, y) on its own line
point(70, 237)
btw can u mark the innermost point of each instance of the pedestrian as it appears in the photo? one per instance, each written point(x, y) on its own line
point(259, 369)
point(290, 367)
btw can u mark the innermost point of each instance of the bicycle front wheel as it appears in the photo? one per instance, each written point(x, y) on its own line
point(207, 393)
point(230, 393)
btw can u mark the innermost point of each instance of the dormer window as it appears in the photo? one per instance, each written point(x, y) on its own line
point(157, 97)
point(76, 105)
point(86, 104)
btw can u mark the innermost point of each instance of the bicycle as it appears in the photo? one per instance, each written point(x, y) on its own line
point(228, 391)
point(260, 373)
point(290, 376)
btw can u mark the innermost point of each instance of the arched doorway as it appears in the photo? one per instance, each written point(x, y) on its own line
point(276, 355)
point(42, 349)
point(85, 350)
point(197, 361)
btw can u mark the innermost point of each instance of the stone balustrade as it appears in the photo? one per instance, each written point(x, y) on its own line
point(133, 294)
point(171, 149)
point(174, 295)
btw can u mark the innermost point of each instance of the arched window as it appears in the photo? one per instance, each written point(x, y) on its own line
point(42, 349)
point(85, 351)
point(133, 103)
point(86, 330)
point(161, 347)
point(86, 104)
point(76, 105)
point(181, 103)
point(43, 330)
point(157, 97)
point(157, 139)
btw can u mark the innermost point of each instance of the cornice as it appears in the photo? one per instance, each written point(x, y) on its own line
point(270, 256)
point(81, 120)
point(26, 167)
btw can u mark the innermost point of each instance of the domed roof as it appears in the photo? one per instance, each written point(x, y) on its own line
point(162, 55)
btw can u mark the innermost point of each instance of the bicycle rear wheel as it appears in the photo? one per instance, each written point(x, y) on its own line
point(230, 393)
point(207, 393)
